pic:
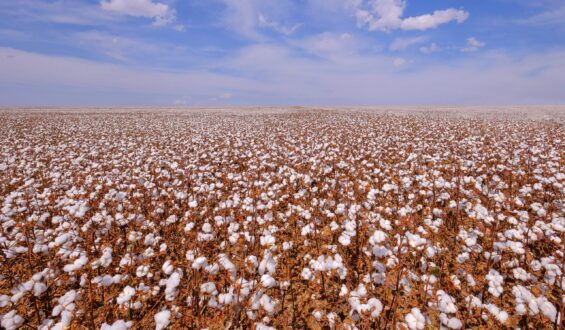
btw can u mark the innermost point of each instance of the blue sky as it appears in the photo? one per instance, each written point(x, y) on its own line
point(281, 52)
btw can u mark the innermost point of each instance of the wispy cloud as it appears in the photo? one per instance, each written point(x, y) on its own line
point(431, 48)
point(387, 15)
point(353, 79)
point(403, 43)
point(473, 45)
point(161, 13)
point(279, 27)
point(551, 16)
point(59, 12)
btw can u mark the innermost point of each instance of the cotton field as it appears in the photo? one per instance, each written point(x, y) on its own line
point(286, 218)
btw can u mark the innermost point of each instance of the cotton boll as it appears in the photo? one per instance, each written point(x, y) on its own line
point(450, 322)
point(199, 263)
point(268, 264)
point(268, 304)
point(343, 291)
point(209, 287)
point(212, 269)
point(38, 289)
point(377, 237)
point(430, 251)
point(142, 271)
point(118, 325)
point(171, 219)
point(11, 320)
point(162, 319)
point(188, 227)
point(226, 263)
point(500, 315)
point(226, 298)
point(306, 274)
point(4, 300)
point(268, 281)
point(547, 308)
point(76, 265)
point(415, 320)
point(167, 267)
point(126, 295)
point(495, 281)
point(105, 260)
point(344, 239)
point(171, 286)
point(261, 326)
point(376, 307)
point(446, 303)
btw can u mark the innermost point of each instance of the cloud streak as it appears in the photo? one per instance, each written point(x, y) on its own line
point(355, 79)
point(387, 15)
point(161, 13)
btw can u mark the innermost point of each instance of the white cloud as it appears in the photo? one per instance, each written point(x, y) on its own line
point(430, 21)
point(431, 48)
point(277, 26)
point(403, 43)
point(386, 15)
point(161, 13)
point(473, 45)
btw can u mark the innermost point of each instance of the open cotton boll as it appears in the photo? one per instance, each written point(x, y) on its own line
point(268, 281)
point(226, 263)
point(167, 267)
point(11, 320)
point(188, 227)
point(268, 304)
point(162, 319)
point(450, 322)
point(76, 265)
point(306, 274)
point(107, 280)
point(199, 263)
point(171, 286)
point(495, 281)
point(377, 237)
point(547, 308)
point(446, 303)
point(499, 314)
point(126, 295)
point(171, 219)
point(118, 325)
point(209, 287)
point(262, 326)
point(142, 271)
point(105, 260)
point(415, 320)
point(39, 288)
point(268, 264)
point(4, 300)
point(376, 307)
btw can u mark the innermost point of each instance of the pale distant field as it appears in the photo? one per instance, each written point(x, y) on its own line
point(321, 218)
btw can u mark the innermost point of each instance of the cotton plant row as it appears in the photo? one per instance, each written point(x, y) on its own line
point(346, 220)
